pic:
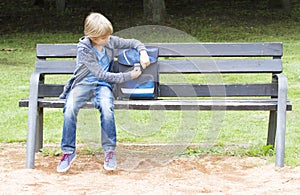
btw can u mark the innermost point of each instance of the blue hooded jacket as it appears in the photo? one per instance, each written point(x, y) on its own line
point(86, 61)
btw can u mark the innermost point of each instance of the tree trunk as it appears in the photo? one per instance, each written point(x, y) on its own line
point(287, 5)
point(60, 5)
point(37, 2)
point(154, 10)
point(282, 4)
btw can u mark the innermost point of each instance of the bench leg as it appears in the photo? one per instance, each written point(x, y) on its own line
point(31, 137)
point(33, 118)
point(280, 137)
point(34, 140)
point(39, 132)
point(272, 128)
point(281, 120)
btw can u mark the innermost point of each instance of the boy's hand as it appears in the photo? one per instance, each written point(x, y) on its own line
point(144, 59)
point(135, 73)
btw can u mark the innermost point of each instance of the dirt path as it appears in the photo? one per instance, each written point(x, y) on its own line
point(208, 174)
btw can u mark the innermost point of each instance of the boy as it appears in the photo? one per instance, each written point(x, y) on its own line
point(92, 81)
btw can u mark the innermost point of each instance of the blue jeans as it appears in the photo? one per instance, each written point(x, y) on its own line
point(103, 99)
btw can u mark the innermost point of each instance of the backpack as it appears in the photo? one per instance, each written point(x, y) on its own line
point(146, 85)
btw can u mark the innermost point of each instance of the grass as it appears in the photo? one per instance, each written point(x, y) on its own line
point(17, 57)
point(253, 150)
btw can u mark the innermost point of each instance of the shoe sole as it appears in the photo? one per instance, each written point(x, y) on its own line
point(68, 167)
point(109, 169)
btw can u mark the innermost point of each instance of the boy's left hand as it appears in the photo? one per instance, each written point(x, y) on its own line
point(144, 59)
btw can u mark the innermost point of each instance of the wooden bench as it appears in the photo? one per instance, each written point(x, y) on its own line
point(237, 59)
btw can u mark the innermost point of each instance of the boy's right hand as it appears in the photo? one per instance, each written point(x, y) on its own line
point(135, 73)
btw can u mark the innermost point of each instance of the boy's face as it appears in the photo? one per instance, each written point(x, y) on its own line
point(100, 41)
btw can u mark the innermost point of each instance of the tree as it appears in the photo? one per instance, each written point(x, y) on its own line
point(285, 4)
point(60, 5)
point(37, 2)
point(154, 10)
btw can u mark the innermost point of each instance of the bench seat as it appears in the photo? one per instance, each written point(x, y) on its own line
point(218, 104)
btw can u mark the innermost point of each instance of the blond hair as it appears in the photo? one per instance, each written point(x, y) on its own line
point(96, 25)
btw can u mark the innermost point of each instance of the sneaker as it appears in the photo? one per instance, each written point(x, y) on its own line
point(110, 162)
point(65, 162)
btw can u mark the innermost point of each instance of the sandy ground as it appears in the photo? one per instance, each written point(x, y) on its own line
point(144, 175)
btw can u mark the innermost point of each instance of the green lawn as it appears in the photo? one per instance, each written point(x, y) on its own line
point(17, 57)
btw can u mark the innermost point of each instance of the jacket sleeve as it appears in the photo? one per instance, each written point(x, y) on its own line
point(87, 58)
point(67, 88)
point(121, 43)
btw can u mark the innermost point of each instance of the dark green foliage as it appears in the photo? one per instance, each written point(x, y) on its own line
point(24, 16)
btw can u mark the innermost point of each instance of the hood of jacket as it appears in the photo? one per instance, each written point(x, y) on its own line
point(85, 42)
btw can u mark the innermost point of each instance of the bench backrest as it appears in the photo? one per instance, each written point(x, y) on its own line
point(186, 59)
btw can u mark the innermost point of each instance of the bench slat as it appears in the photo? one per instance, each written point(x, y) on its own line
point(50, 90)
point(56, 50)
point(226, 90)
point(246, 104)
point(178, 49)
point(180, 66)
point(219, 49)
point(220, 66)
point(55, 66)
point(231, 104)
point(190, 90)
